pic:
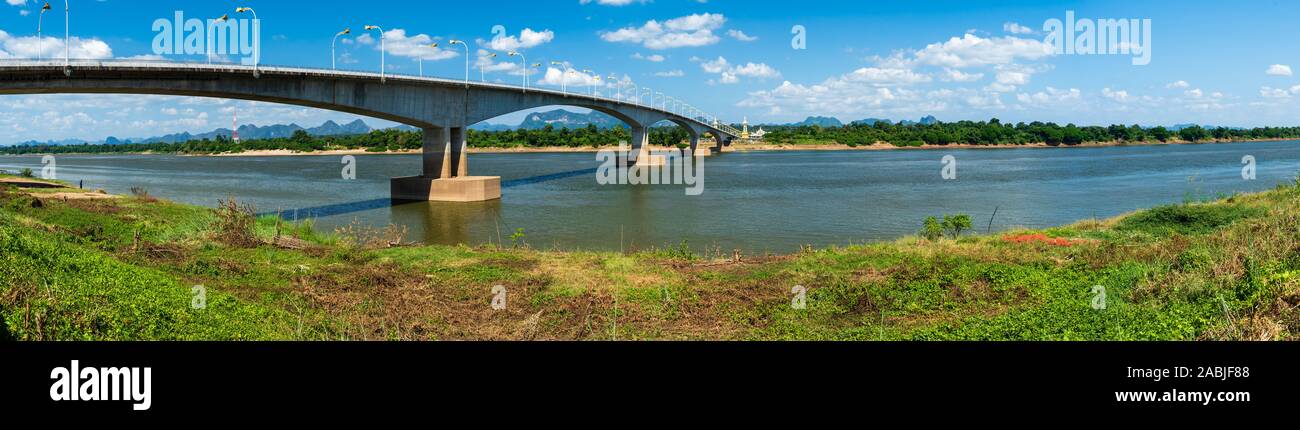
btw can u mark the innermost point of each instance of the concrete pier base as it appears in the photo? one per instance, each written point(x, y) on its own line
point(464, 189)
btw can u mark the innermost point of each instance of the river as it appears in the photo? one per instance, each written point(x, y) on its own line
point(755, 201)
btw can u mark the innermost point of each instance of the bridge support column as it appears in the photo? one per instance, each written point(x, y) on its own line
point(641, 147)
point(696, 151)
point(446, 172)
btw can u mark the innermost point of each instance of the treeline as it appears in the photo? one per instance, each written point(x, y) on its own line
point(375, 141)
point(994, 132)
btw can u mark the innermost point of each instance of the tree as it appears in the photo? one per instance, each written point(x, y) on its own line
point(1160, 133)
point(955, 224)
point(1193, 134)
point(932, 229)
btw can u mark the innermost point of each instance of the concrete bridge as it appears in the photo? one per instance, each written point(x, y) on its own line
point(442, 108)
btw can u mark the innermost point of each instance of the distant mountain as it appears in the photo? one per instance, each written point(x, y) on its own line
point(871, 121)
point(929, 120)
point(329, 128)
point(53, 142)
point(558, 118)
point(823, 121)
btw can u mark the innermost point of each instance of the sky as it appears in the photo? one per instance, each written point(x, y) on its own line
point(1210, 62)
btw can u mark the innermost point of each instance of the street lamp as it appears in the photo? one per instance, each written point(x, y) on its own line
point(651, 95)
point(662, 101)
point(636, 93)
point(457, 42)
point(333, 61)
point(482, 74)
point(618, 87)
point(67, 39)
point(224, 18)
point(525, 61)
point(592, 84)
point(564, 77)
point(257, 52)
point(382, 48)
point(433, 45)
point(40, 43)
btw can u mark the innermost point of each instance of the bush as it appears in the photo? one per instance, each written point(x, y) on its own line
point(27, 173)
point(1186, 219)
point(235, 224)
point(932, 229)
point(955, 224)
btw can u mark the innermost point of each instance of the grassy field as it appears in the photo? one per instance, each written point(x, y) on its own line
point(129, 269)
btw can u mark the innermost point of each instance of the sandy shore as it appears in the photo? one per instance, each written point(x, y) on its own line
point(879, 146)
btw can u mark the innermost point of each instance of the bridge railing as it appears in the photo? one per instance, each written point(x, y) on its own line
point(228, 67)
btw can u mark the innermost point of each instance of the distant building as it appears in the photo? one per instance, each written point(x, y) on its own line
point(758, 135)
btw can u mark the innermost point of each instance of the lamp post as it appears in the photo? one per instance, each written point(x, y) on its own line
point(40, 43)
point(256, 53)
point(618, 87)
point(564, 77)
point(433, 45)
point(525, 62)
point(636, 93)
point(591, 83)
point(67, 38)
point(382, 47)
point(333, 60)
point(651, 95)
point(482, 74)
point(662, 101)
point(457, 42)
point(224, 18)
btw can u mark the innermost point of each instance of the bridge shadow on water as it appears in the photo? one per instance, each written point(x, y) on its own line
point(366, 205)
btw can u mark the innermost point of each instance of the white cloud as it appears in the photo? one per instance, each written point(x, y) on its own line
point(1178, 84)
point(671, 74)
point(730, 74)
point(484, 60)
point(526, 39)
point(1116, 95)
point(396, 42)
point(1015, 28)
point(27, 47)
point(16, 2)
point(954, 75)
point(973, 51)
point(654, 58)
point(557, 77)
point(687, 31)
point(1278, 70)
point(1051, 97)
point(1274, 93)
point(741, 36)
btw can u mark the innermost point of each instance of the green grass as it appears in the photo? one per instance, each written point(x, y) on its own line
point(124, 270)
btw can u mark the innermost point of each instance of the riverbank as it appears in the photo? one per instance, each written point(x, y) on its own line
point(740, 147)
point(137, 268)
point(743, 147)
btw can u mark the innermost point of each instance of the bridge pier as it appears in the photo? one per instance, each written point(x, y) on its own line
point(446, 172)
point(641, 149)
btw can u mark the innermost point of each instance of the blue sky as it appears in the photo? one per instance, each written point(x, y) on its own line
point(1221, 63)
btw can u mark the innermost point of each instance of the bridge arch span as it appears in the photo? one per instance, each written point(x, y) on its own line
point(443, 108)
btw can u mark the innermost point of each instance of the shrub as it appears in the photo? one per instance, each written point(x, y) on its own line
point(235, 224)
point(27, 173)
point(1186, 219)
point(932, 229)
point(955, 224)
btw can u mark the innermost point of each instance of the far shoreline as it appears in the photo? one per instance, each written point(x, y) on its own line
point(757, 147)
